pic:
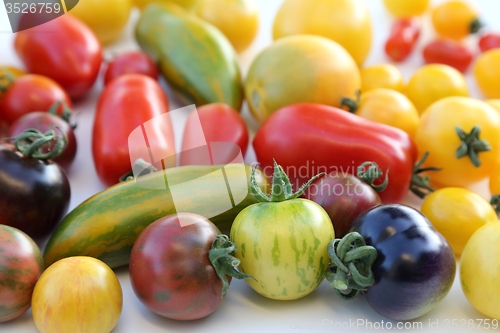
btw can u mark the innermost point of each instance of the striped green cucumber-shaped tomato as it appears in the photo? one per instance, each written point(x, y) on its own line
point(283, 243)
point(195, 58)
point(106, 225)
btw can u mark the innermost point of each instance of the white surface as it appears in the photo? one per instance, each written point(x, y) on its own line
point(244, 310)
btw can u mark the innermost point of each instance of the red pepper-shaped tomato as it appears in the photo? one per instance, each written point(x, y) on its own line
point(401, 41)
point(310, 138)
point(127, 103)
point(63, 49)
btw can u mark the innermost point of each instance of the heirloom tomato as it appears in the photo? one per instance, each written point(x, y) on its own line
point(136, 62)
point(77, 294)
point(281, 241)
point(469, 141)
point(181, 266)
point(455, 19)
point(381, 76)
point(487, 73)
point(406, 9)
point(480, 270)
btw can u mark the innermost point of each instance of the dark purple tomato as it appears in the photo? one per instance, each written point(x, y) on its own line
point(34, 195)
point(415, 266)
point(343, 197)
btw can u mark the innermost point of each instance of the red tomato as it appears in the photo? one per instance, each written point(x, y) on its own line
point(31, 93)
point(448, 52)
point(129, 63)
point(489, 41)
point(219, 123)
point(127, 103)
point(63, 49)
point(404, 34)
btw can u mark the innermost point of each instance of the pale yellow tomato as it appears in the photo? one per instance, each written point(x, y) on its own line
point(187, 4)
point(381, 76)
point(433, 82)
point(406, 9)
point(495, 103)
point(77, 294)
point(487, 73)
point(238, 20)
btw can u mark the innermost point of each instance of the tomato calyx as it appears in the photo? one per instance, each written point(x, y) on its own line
point(368, 175)
point(35, 144)
point(475, 26)
point(224, 263)
point(351, 104)
point(495, 202)
point(65, 112)
point(421, 182)
point(6, 79)
point(281, 187)
point(471, 145)
point(350, 270)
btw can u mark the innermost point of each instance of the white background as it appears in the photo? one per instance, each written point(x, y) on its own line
point(244, 310)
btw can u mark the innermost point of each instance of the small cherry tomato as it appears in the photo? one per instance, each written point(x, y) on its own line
point(406, 9)
point(456, 19)
point(448, 52)
point(487, 73)
point(489, 41)
point(404, 34)
point(131, 63)
point(381, 76)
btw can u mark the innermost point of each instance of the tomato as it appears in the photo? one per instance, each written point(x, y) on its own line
point(77, 294)
point(238, 20)
point(465, 155)
point(495, 103)
point(21, 264)
point(432, 82)
point(406, 266)
point(381, 76)
point(31, 93)
point(202, 133)
point(127, 103)
point(181, 266)
point(388, 107)
point(406, 9)
point(455, 19)
point(346, 22)
point(106, 19)
point(135, 62)
point(402, 39)
point(70, 54)
point(480, 270)
point(187, 4)
point(488, 41)
point(487, 73)
point(448, 52)
point(457, 213)
point(282, 240)
point(327, 73)
point(8, 75)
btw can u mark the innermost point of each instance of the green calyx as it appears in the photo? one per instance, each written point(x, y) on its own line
point(65, 114)
point(351, 104)
point(471, 145)
point(281, 188)
point(350, 270)
point(35, 144)
point(224, 263)
point(139, 164)
point(8, 77)
point(368, 172)
point(420, 183)
point(475, 26)
point(495, 203)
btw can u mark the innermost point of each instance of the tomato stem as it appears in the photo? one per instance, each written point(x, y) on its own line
point(35, 144)
point(471, 145)
point(369, 175)
point(420, 182)
point(65, 114)
point(224, 263)
point(475, 26)
point(350, 269)
point(351, 104)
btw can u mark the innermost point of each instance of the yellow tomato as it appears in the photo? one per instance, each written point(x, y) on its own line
point(187, 4)
point(345, 21)
point(480, 270)
point(406, 9)
point(381, 76)
point(457, 213)
point(106, 19)
point(437, 133)
point(388, 107)
point(77, 294)
point(432, 82)
point(455, 19)
point(487, 73)
point(495, 103)
point(300, 69)
point(237, 19)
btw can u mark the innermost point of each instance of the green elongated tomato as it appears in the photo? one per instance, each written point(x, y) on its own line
point(195, 58)
point(282, 241)
point(106, 225)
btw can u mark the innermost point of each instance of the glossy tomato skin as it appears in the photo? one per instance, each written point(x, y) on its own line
point(448, 52)
point(136, 62)
point(401, 41)
point(21, 264)
point(125, 104)
point(35, 194)
point(489, 41)
point(170, 270)
point(65, 50)
point(415, 266)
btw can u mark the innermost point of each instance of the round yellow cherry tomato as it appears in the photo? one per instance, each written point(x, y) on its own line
point(457, 213)
point(432, 82)
point(406, 9)
point(381, 76)
point(437, 133)
point(345, 21)
point(455, 19)
point(237, 19)
point(106, 19)
point(487, 73)
point(187, 4)
point(495, 103)
point(480, 270)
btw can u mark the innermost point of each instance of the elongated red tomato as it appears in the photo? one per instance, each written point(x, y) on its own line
point(65, 50)
point(488, 41)
point(127, 103)
point(404, 34)
point(448, 52)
